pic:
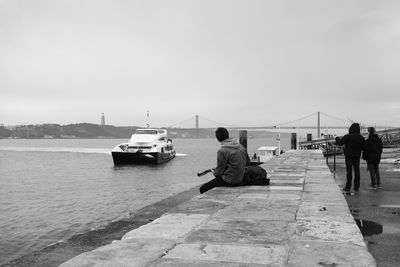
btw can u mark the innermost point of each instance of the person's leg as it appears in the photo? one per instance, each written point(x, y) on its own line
point(356, 164)
point(217, 181)
point(349, 175)
point(372, 174)
point(377, 175)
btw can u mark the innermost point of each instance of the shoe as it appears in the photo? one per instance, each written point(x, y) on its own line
point(372, 188)
point(379, 186)
point(346, 189)
point(356, 189)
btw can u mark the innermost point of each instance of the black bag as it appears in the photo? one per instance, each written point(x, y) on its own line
point(255, 175)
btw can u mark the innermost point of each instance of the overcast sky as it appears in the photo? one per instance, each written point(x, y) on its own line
point(242, 63)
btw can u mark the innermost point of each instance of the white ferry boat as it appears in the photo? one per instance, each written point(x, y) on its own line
point(147, 145)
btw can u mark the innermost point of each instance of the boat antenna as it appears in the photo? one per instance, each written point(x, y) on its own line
point(148, 120)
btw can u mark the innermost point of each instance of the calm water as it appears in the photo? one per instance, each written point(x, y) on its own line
point(53, 189)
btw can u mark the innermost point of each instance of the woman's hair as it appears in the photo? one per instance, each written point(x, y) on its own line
point(221, 134)
point(371, 130)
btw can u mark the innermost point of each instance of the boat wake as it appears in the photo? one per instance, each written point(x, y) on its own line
point(58, 149)
point(65, 149)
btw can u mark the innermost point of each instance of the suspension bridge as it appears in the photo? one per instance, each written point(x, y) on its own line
point(390, 136)
point(283, 125)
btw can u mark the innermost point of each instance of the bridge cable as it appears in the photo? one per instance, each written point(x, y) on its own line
point(219, 123)
point(181, 122)
point(302, 118)
point(333, 117)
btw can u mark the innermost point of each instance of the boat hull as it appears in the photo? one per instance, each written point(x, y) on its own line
point(124, 158)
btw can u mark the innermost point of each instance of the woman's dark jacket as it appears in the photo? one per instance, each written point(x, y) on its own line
point(373, 149)
point(353, 142)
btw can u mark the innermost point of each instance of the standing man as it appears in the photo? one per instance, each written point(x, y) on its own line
point(372, 154)
point(231, 162)
point(353, 143)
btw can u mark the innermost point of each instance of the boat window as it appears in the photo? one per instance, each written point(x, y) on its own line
point(146, 131)
point(161, 131)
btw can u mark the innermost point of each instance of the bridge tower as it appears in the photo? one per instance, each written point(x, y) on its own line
point(197, 126)
point(103, 119)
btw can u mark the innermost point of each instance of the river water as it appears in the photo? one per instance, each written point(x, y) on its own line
point(53, 189)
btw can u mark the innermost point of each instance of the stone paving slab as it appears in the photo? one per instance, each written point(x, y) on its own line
point(137, 252)
point(288, 181)
point(285, 188)
point(324, 211)
point(271, 255)
point(329, 231)
point(172, 262)
point(169, 226)
point(301, 219)
point(200, 206)
point(314, 253)
point(328, 197)
point(251, 232)
point(282, 196)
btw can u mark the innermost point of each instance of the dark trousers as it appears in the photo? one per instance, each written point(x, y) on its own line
point(217, 181)
point(352, 163)
point(374, 173)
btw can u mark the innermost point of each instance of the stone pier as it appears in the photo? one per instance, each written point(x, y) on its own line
point(300, 219)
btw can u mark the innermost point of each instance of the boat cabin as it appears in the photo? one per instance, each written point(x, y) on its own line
point(148, 135)
point(265, 153)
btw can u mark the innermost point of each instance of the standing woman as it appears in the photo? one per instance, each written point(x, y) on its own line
point(372, 154)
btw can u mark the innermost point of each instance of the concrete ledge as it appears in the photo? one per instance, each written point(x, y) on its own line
point(301, 219)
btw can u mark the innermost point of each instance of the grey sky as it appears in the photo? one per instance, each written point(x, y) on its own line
point(238, 62)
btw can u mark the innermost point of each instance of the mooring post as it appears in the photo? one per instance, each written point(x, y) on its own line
point(243, 138)
point(293, 141)
point(334, 162)
point(309, 139)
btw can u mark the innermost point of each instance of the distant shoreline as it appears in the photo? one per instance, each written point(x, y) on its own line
point(96, 131)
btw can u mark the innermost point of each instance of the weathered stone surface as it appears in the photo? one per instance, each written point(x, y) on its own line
point(274, 255)
point(329, 231)
point(137, 252)
point(163, 262)
point(201, 206)
point(251, 232)
point(225, 194)
point(254, 196)
point(169, 226)
point(327, 197)
point(258, 210)
point(276, 181)
point(286, 188)
point(303, 209)
point(315, 253)
point(309, 187)
point(261, 189)
point(299, 174)
point(324, 211)
point(278, 196)
point(321, 180)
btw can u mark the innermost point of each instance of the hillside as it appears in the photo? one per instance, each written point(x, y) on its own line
point(88, 130)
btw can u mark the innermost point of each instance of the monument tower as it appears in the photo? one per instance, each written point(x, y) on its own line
point(103, 119)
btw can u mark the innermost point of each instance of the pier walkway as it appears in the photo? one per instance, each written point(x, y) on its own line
point(301, 219)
